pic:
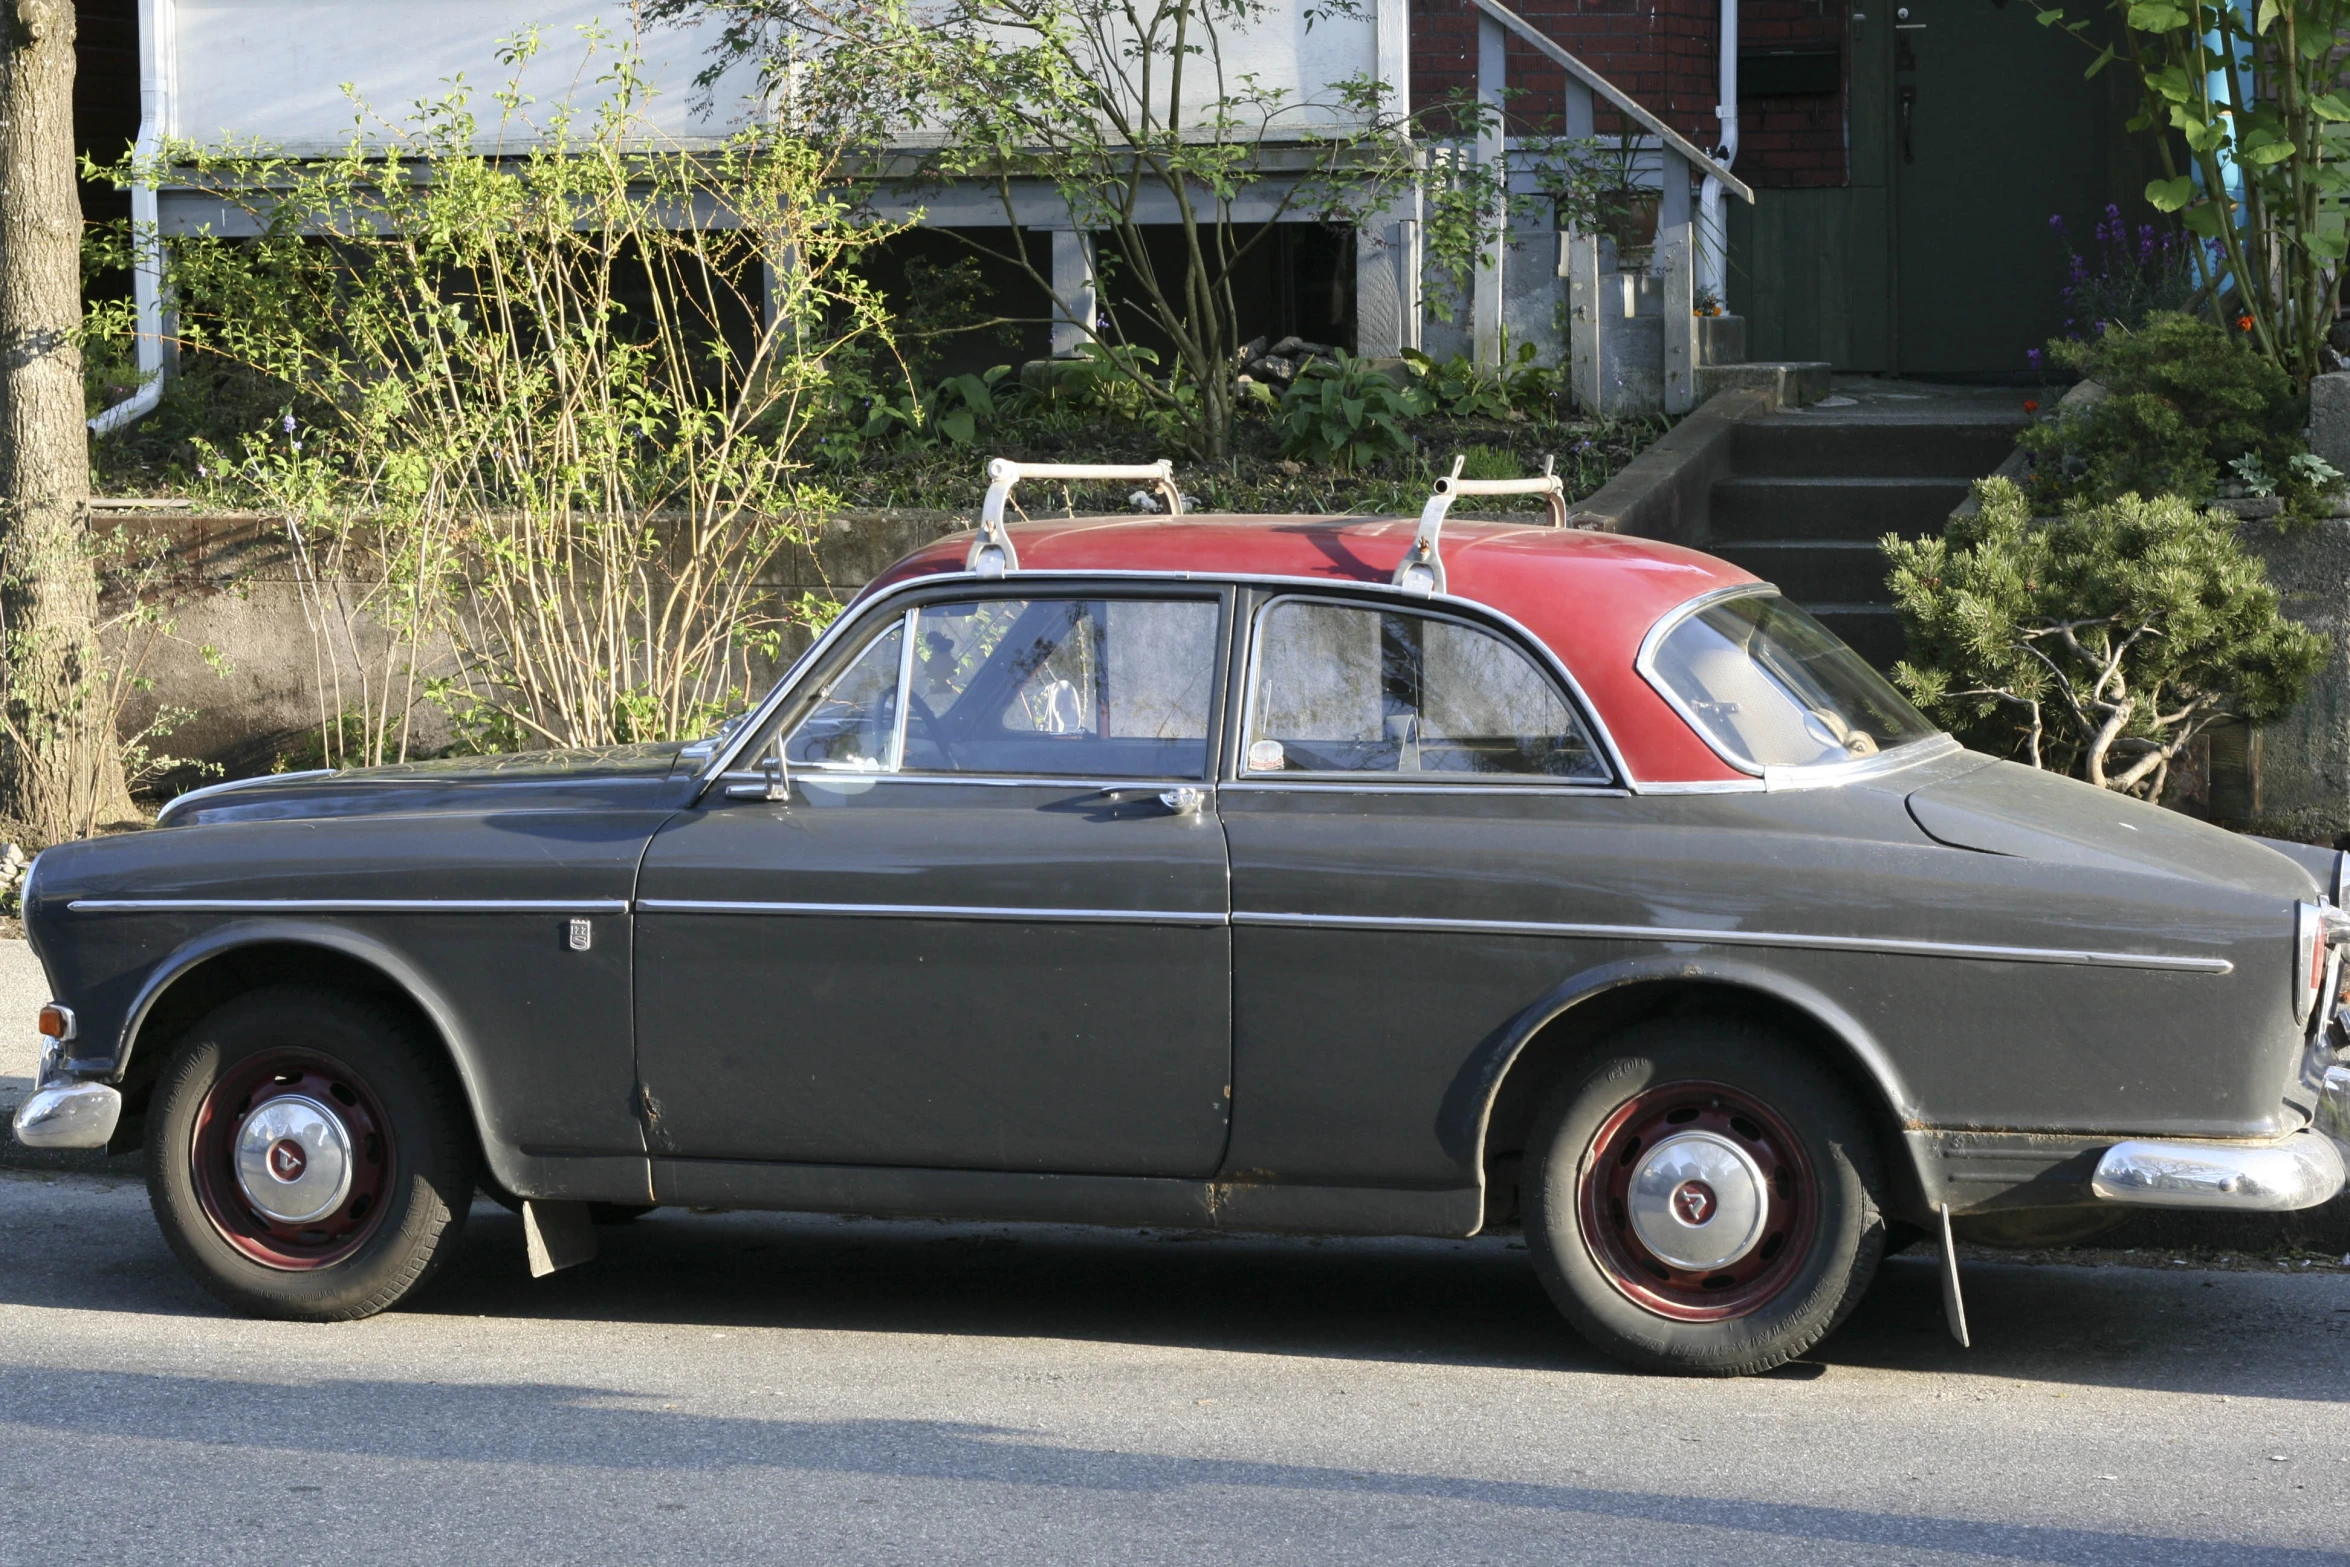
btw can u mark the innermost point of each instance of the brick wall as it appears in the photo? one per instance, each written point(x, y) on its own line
point(1665, 54)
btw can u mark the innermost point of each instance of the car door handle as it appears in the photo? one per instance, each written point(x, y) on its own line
point(1179, 802)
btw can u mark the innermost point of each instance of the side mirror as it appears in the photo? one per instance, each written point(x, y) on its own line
point(775, 788)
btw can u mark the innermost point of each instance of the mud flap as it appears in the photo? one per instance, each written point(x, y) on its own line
point(1953, 1304)
point(560, 1235)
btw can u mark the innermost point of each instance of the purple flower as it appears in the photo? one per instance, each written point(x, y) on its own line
point(2033, 355)
point(2113, 210)
point(2056, 221)
point(290, 427)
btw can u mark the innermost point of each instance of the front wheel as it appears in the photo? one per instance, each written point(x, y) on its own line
point(1706, 1198)
point(308, 1156)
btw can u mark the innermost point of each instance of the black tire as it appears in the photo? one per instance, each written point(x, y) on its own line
point(1817, 1226)
point(400, 1128)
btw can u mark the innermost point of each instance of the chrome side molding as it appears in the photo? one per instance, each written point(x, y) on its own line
point(70, 1115)
point(2294, 1172)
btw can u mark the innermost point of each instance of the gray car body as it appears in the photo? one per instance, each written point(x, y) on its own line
point(1308, 1007)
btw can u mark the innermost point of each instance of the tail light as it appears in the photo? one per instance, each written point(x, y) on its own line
point(57, 1023)
point(2311, 951)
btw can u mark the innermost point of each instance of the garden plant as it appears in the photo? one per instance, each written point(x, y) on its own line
point(2099, 643)
point(533, 435)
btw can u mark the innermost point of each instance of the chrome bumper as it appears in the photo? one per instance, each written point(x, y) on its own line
point(2299, 1171)
point(69, 1115)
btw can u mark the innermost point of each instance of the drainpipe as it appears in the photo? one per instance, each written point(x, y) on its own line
point(147, 269)
point(1713, 234)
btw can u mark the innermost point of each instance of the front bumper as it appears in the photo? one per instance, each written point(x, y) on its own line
point(65, 1112)
point(69, 1115)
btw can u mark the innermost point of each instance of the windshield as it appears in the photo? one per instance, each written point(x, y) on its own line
point(1772, 687)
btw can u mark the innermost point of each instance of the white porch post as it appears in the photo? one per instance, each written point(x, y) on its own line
point(1676, 240)
point(1485, 301)
point(1387, 263)
point(1075, 300)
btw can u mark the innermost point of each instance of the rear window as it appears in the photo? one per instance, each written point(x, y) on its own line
point(1772, 687)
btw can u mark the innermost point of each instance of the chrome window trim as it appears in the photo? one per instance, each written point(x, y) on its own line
point(163, 816)
point(1809, 775)
point(1369, 784)
point(1891, 946)
point(349, 905)
point(988, 780)
point(1464, 612)
point(935, 911)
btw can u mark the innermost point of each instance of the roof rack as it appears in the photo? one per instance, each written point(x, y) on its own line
point(992, 554)
point(1422, 569)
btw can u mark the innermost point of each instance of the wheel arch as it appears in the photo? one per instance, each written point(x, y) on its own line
point(1495, 1099)
point(232, 960)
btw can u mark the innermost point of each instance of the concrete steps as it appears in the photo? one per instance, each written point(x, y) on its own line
point(1809, 493)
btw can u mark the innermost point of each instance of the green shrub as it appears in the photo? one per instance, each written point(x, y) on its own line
point(2186, 404)
point(1461, 388)
point(1344, 412)
point(2100, 643)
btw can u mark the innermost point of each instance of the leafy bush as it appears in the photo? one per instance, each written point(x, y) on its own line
point(2098, 644)
point(549, 412)
point(956, 410)
point(1463, 389)
point(1344, 412)
point(2185, 403)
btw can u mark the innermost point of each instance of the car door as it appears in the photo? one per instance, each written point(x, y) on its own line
point(989, 928)
point(1410, 781)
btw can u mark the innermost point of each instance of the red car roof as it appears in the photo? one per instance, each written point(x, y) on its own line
point(1591, 596)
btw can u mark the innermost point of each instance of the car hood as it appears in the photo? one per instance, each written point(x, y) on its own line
point(2007, 808)
point(513, 781)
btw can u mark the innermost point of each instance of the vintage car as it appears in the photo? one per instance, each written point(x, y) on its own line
point(1233, 872)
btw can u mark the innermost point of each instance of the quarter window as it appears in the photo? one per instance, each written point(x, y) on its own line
point(1348, 689)
point(1108, 688)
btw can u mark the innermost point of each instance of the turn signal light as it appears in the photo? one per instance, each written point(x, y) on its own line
point(57, 1022)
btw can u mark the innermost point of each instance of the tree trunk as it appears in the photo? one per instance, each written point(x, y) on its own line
point(61, 771)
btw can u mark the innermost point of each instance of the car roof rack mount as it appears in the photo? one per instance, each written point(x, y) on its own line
point(1421, 572)
point(992, 554)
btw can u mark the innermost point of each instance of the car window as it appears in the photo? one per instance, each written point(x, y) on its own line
point(854, 724)
point(1351, 689)
point(1107, 688)
point(1772, 687)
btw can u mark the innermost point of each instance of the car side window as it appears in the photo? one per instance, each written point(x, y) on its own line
point(1107, 688)
point(854, 725)
point(1342, 688)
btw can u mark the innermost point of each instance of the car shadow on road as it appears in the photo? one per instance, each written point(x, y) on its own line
point(608, 1433)
point(1441, 1302)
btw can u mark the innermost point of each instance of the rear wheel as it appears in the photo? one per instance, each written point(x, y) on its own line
point(307, 1155)
point(1706, 1198)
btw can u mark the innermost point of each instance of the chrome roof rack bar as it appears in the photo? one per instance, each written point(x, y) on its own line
point(992, 554)
point(1422, 569)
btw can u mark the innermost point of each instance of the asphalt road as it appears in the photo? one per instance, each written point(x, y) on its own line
point(747, 1387)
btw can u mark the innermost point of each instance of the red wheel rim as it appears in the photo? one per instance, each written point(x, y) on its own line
point(1741, 1133)
point(273, 1121)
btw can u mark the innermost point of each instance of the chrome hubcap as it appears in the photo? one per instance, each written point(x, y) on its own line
point(1699, 1201)
point(293, 1159)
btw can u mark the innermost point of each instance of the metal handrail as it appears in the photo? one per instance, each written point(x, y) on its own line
point(1421, 572)
point(1551, 49)
point(992, 554)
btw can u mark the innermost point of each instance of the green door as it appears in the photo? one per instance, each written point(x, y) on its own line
point(1970, 125)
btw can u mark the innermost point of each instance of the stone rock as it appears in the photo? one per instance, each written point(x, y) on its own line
point(2303, 789)
point(2329, 418)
